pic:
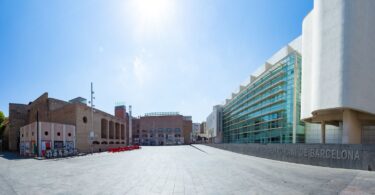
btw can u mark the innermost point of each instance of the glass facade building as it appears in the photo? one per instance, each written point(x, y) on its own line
point(267, 109)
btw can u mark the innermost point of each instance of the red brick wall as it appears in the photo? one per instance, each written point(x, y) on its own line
point(120, 112)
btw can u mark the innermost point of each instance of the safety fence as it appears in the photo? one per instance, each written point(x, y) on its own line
point(123, 149)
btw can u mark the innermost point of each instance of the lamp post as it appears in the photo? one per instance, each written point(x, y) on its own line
point(91, 133)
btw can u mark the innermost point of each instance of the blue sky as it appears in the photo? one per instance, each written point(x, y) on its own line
point(157, 55)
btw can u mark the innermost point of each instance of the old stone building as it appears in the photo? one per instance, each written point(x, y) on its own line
point(162, 128)
point(94, 131)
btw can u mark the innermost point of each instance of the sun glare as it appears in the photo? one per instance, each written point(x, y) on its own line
point(152, 12)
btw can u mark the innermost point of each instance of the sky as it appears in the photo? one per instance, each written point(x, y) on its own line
point(157, 55)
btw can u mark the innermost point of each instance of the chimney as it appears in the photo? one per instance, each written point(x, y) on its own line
point(120, 111)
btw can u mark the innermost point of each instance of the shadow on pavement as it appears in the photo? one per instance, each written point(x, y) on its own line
point(198, 149)
point(11, 156)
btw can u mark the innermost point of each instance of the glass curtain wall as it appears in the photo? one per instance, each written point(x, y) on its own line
point(267, 110)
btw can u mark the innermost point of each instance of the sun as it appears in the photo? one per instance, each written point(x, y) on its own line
point(152, 13)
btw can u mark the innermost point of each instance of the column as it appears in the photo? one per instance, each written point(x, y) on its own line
point(53, 136)
point(114, 131)
point(149, 137)
point(323, 132)
point(119, 126)
point(39, 139)
point(351, 133)
point(64, 135)
point(130, 129)
point(107, 131)
point(74, 137)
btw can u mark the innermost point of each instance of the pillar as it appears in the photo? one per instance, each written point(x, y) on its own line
point(39, 139)
point(119, 126)
point(351, 133)
point(74, 137)
point(323, 132)
point(114, 131)
point(130, 129)
point(53, 136)
point(64, 135)
point(107, 131)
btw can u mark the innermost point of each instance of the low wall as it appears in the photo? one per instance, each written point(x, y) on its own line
point(327, 155)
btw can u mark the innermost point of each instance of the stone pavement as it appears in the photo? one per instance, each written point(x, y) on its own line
point(194, 169)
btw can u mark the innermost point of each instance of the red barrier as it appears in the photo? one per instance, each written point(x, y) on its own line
point(121, 149)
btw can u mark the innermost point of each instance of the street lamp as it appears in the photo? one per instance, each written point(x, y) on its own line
point(91, 132)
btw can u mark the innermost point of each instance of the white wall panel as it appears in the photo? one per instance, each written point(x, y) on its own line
point(338, 56)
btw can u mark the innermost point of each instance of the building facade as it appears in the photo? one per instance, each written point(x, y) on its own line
point(195, 132)
point(338, 68)
point(93, 131)
point(46, 136)
point(214, 124)
point(162, 128)
point(266, 107)
point(203, 134)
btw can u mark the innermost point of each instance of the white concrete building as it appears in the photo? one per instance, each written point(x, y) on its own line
point(338, 66)
point(214, 124)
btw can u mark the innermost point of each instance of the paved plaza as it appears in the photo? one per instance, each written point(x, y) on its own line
point(194, 169)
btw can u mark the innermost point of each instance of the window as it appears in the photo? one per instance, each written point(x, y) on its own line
point(84, 119)
point(104, 127)
point(69, 134)
point(58, 134)
point(46, 133)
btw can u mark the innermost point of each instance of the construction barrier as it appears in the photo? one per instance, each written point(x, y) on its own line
point(122, 149)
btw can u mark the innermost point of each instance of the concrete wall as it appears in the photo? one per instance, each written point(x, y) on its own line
point(18, 116)
point(83, 130)
point(214, 123)
point(186, 130)
point(338, 58)
point(58, 111)
point(66, 115)
point(135, 130)
point(50, 134)
point(327, 155)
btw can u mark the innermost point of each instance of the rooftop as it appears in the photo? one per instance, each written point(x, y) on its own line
point(293, 46)
point(162, 114)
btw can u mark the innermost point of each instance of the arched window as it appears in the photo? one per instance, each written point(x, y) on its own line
point(104, 127)
point(117, 130)
point(111, 130)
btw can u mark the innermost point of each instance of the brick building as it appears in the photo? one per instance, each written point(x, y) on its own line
point(164, 128)
point(108, 130)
